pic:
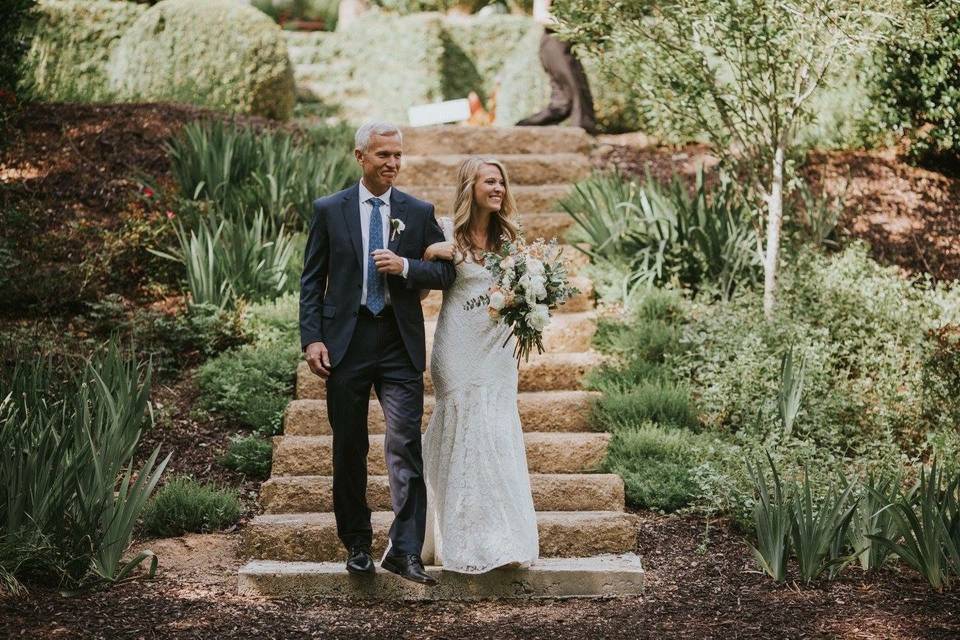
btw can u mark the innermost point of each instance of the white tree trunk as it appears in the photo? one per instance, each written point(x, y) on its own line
point(774, 222)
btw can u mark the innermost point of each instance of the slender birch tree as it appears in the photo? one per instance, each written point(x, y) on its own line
point(741, 72)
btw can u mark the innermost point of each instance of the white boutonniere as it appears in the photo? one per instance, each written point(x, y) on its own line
point(397, 226)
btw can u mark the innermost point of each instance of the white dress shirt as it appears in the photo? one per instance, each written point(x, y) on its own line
point(366, 210)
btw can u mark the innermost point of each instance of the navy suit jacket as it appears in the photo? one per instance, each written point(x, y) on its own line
point(332, 280)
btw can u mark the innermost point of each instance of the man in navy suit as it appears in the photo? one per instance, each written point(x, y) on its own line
point(361, 325)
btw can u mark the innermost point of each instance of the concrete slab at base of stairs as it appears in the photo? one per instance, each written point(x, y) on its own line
point(597, 576)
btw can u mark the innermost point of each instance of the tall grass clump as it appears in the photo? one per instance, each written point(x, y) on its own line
point(229, 259)
point(660, 234)
point(275, 172)
point(70, 494)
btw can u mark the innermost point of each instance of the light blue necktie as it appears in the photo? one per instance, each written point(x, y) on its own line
point(375, 299)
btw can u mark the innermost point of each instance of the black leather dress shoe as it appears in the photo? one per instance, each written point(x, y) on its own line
point(408, 566)
point(360, 561)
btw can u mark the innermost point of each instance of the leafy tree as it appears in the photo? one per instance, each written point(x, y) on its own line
point(742, 72)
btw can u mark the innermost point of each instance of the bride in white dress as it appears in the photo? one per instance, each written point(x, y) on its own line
point(479, 505)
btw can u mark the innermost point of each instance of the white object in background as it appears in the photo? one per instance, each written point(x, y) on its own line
point(439, 112)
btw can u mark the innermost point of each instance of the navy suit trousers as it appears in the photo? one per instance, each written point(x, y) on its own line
point(377, 358)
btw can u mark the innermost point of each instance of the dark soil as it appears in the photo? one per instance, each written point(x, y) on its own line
point(195, 439)
point(697, 588)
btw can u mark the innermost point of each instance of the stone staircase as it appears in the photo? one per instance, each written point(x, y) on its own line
point(586, 537)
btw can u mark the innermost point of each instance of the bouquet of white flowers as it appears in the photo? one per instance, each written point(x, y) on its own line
point(528, 281)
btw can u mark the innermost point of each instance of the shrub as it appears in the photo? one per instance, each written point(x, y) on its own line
point(861, 330)
point(275, 320)
point(184, 505)
point(251, 384)
point(658, 401)
point(72, 42)
point(917, 83)
point(170, 342)
point(239, 57)
point(656, 464)
point(250, 455)
point(69, 493)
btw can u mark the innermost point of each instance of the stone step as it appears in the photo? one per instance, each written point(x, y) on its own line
point(495, 141)
point(530, 199)
point(567, 332)
point(522, 169)
point(551, 492)
point(546, 453)
point(594, 577)
point(545, 411)
point(313, 536)
point(545, 372)
point(583, 301)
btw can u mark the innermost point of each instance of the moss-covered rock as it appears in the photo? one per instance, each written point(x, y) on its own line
point(71, 44)
point(217, 53)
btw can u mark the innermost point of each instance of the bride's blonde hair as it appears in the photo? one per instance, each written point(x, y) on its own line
point(502, 222)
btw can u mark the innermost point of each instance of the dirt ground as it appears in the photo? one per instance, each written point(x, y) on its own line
point(699, 586)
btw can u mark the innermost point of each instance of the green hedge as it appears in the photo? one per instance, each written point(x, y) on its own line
point(436, 58)
point(71, 46)
point(218, 53)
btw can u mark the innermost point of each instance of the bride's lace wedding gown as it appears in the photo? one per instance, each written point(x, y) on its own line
point(480, 510)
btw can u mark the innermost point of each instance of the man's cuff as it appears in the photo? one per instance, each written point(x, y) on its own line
point(406, 268)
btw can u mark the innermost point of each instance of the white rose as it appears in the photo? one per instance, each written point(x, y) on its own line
point(538, 317)
point(525, 283)
point(535, 266)
point(497, 300)
point(507, 263)
point(539, 287)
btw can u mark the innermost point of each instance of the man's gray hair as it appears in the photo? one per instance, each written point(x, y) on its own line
point(375, 128)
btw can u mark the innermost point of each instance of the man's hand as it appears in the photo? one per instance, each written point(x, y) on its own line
point(319, 359)
point(387, 262)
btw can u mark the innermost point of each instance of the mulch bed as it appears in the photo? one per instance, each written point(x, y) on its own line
point(697, 588)
point(195, 441)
